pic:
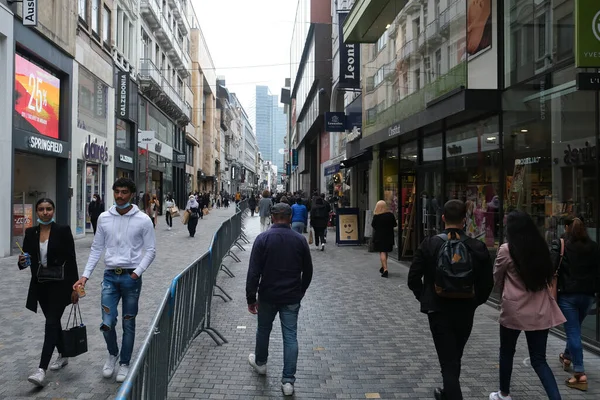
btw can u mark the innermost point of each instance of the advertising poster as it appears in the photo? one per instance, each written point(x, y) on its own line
point(37, 97)
point(347, 227)
point(21, 217)
point(479, 26)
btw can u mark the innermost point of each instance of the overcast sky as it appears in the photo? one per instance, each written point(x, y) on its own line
point(245, 33)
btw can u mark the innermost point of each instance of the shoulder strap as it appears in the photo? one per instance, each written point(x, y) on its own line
point(443, 236)
point(562, 253)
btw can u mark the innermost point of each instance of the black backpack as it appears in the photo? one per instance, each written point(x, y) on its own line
point(454, 275)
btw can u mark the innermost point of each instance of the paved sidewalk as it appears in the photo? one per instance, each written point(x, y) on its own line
point(21, 331)
point(360, 335)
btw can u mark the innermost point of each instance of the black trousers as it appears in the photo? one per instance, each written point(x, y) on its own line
point(94, 223)
point(451, 331)
point(169, 218)
point(192, 223)
point(319, 235)
point(53, 331)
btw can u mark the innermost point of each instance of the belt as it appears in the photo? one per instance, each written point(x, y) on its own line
point(119, 270)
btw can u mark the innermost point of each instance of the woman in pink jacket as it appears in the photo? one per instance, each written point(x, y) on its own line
point(522, 273)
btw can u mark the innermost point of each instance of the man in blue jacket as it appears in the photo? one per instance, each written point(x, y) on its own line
point(299, 216)
point(280, 271)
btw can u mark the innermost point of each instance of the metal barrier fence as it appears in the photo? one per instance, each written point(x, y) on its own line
point(183, 314)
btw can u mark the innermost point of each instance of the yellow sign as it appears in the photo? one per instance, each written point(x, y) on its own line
point(348, 227)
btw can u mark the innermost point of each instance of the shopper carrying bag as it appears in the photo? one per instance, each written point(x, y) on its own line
point(75, 336)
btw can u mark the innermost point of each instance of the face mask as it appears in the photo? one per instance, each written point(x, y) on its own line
point(45, 223)
point(124, 206)
point(93, 199)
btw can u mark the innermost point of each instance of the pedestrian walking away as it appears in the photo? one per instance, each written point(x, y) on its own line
point(576, 259)
point(193, 207)
point(264, 210)
point(318, 220)
point(451, 275)
point(126, 236)
point(49, 247)
point(252, 204)
point(522, 274)
point(299, 215)
point(169, 204)
point(280, 272)
point(383, 225)
point(95, 208)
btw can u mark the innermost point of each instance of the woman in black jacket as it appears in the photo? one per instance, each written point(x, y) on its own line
point(95, 208)
point(50, 246)
point(578, 276)
point(383, 225)
point(318, 220)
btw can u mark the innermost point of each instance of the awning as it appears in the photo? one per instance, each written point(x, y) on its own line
point(357, 159)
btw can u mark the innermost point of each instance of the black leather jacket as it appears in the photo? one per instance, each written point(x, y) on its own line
point(580, 268)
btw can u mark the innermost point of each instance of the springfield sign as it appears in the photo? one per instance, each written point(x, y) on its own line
point(587, 33)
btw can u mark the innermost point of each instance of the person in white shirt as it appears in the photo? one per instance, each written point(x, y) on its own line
point(126, 235)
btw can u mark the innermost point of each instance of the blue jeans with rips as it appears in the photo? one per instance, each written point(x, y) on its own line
point(288, 315)
point(114, 288)
point(575, 308)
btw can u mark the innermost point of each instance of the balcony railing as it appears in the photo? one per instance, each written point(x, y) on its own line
point(172, 93)
point(180, 16)
point(432, 31)
point(453, 12)
point(149, 71)
point(187, 110)
point(151, 12)
point(165, 34)
point(407, 49)
point(421, 41)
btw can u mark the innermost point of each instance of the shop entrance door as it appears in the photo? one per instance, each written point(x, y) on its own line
point(431, 204)
point(407, 218)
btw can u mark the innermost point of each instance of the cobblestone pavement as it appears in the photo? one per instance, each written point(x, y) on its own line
point(21, 331)
point(360, 336)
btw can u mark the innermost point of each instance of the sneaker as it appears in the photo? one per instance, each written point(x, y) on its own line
point(169, 228)
point(123, 372)
point(260, 369)
point(438, 393)
point(323, 247)
point(59, 363)
point(498, 396)
point(287, 388)
point(38, 378)
point(109, 366)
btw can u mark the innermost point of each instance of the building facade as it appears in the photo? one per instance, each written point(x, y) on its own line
point(494, 117)
point(310, 55)
point(249, 150)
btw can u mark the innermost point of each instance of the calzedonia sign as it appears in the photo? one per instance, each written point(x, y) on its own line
point(123, 94)
point(92, 151)
point(587, 33)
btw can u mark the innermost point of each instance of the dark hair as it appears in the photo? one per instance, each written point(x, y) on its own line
point(299, 200)
point(45, 200)
point(320, 201)
point(529, 251)
point(455, 212)
point(125, 182)
point(284, 200)
point(578, 232)
point(99, 197)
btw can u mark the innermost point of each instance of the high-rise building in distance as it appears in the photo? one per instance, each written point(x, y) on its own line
point(270, 127)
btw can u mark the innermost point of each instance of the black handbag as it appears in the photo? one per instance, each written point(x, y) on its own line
point(75, 335)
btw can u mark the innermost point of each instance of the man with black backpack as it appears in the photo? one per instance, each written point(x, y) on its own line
point(451, 275)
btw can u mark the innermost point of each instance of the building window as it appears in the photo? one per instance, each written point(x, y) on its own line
point(189, 151)
point(92, 114)
point(82, 10)
point(438, 62)
point(106, 24)
point(417, 80)
point(124, 135)
point(378, 77)
point(382, 42)
point(96, 17)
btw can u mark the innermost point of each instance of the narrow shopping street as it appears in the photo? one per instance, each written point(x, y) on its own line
point(360, 336)
point(21, 331)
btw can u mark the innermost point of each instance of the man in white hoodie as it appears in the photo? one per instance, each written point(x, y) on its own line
point(127, 236)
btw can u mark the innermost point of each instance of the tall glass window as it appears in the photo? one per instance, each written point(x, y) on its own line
point(430, 186)
point(391, 191)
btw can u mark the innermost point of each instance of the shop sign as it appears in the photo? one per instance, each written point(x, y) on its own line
point(92, 151)
point(22, 217)
point(147, 140)
point(454, 150)
point(349, 59)
point(294, 157)
point(582, 155)
point(394, 130)
point(30, 12)
point(48, 145)
point(353, 120)
point(335, 122)
point(588, 81)
point(180, 158)
point(347, 228)
point(123, 94)
point(527, 160)
point(125, 159)
point(332, 169)
point(587, 33)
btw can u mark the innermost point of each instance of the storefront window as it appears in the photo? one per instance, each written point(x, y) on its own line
point(538, 35)
point(473, 176)
point(124, 134)
point(430, 186)
point(92, 114)
point(389, 166)
point(408, 193)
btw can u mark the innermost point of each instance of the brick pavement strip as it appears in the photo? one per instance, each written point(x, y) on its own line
point(360, 335)
point(21, 331)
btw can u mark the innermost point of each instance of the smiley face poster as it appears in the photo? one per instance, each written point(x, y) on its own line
point(347, 226)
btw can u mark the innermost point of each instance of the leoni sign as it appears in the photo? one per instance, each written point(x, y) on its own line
point(45, 145)
point(30, 12)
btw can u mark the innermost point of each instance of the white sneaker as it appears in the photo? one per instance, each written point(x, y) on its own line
point(169, 229)
point(498, 396)
point(59, 363)
point(123, 372)
point(260, 369)
point(323, 247)
point(287, 388)
point(38, 378)
point(109, 366)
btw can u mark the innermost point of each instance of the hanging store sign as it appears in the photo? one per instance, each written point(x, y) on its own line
point(294, 157)
point(349, 59)
point(92, 151)
point(123, 95)
point(588, 81)
point(335, 122)
point(587, 33)
point(30, 12)
point(332, 169)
